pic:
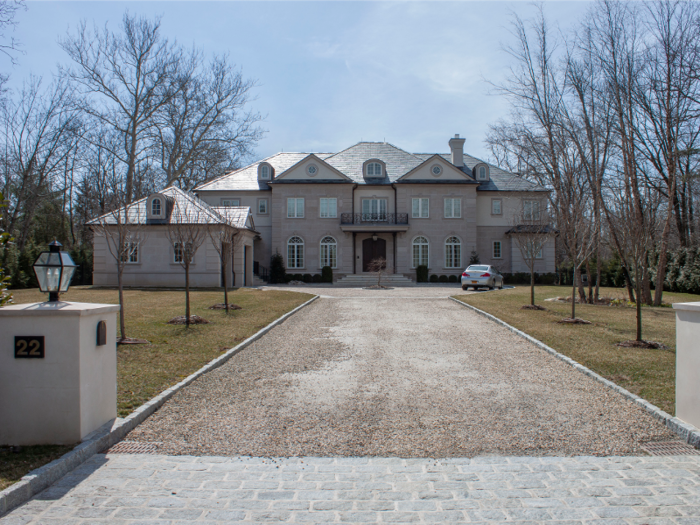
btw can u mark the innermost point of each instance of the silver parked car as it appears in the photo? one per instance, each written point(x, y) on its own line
point(480, 275)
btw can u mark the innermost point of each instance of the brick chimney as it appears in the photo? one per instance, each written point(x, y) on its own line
point(457, 148)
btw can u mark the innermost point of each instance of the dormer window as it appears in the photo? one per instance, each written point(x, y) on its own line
point(374, 169)
point(155, 207)
point(482, 172)
point(265, 171)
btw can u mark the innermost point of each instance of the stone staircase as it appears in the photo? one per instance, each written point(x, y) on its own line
point(364, 280)
point(257, 281)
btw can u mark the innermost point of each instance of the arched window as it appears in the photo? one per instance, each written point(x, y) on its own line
point(329, 252)
point(374, 169)
point(420, 252)
point(264, 171)
point(295, 252)
point(155, 207)
point(453, 252)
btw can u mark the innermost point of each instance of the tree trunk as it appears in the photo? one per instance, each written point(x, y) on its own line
point(598, 271)
point(581, 289)
point(573, 290)
point(661, 271)
point(187, 295)
point(646, 284)
point(639, 305)
point(590, 281)
point(532, 285)
point(122, 324)
point(628, 282)
point(225, 290)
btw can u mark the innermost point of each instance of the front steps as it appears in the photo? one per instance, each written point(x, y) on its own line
point(364, 280)
point(257, 281)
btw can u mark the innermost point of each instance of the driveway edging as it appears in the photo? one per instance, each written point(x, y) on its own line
point(685, 431)
point(113, 432)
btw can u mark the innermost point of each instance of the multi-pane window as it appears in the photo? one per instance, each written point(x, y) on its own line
point(374, 169)
point(453, 208)
point(231, 202)
point(295, 208)
point(155, 207)
point(180, 252)
point(497, 249)
point(420, 208)
point(295, 252)
point(420, 252)
point(262, 207)
point(329, 252)
point(130, 254)
point(535, 246)
point(453, 253)
point(373, 209)
point(496, 207)
point(264, 172)
point(329, 208)
point(531, 210)
point(482, 173)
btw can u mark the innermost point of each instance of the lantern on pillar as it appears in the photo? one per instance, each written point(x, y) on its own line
point(54, 270)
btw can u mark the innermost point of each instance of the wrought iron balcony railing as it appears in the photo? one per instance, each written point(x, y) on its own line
point(374, 218)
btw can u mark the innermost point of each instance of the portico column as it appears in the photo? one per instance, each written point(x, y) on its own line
point(354, 255)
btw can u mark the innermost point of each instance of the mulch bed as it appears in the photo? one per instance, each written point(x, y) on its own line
point(375, 287)
point(569, 320)
point(132, 341)
point(632, 343)
point(182, 319)
point(222, 306)
point(532, 307)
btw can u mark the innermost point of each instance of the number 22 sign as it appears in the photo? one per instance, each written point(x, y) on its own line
point(29, 347)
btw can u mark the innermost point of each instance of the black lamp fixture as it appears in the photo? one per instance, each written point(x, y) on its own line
point(374, 237)
point(54, 270)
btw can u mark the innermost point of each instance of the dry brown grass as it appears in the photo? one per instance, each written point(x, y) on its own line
point(649, 373)
point(174, 351)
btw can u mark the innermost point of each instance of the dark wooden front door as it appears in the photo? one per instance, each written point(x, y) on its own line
point(372, 250)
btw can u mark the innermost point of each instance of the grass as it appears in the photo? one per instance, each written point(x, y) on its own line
point(650, 374)
point(174, 351)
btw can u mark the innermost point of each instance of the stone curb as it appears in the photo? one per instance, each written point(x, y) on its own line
point(685, 431)
point(113, 432)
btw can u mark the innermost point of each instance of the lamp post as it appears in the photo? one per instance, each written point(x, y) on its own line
point(54, 270)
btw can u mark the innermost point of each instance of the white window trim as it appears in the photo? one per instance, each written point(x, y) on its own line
point(445, 244)
point(459, 199)
point(320, 208)
point(267, 204)
point(500, 201)
point(296, 207)
point(420, 208)
point(303, 243)
point(224, 201)
point(320, 252)
point(160, 207)
point(379, 212)
point(129, 251)
point(493, 249)
point(427, 245)
point(539, 209)
point(373, 163)
point(173, 261)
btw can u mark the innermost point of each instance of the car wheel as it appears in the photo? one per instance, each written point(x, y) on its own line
point(500, 287)
point(465, 288)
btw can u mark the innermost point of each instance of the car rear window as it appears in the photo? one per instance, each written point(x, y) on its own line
point(478, 268)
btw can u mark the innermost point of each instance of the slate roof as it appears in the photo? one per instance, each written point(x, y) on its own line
point(186, 209)
point(350, 161)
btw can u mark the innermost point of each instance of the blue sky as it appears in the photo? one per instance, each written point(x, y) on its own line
point(331, 73)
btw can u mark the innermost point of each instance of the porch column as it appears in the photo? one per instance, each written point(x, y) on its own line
point(394, 248)
point(354, 255)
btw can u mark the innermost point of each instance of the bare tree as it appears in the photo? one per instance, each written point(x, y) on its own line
point(126, 79)
point(378, 267)
point(205, 129)
point(123, 233)
point(8, 10)
point(531, 229)
point(39, 131)
point(225, 238)
point(187, 231)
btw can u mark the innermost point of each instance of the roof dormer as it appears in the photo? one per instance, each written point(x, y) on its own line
point(374, 169)
point(158, 208)
point(481, 172)
point(265, 171)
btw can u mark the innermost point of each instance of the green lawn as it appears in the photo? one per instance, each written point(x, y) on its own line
point(174, 352)
point(650, 374)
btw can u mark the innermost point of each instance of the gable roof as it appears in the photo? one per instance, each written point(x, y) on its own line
point(280, 177)
point(397, 161)
point(466, 179)
point(186, 209)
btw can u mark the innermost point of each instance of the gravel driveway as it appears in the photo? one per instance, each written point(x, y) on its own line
point(401, 374)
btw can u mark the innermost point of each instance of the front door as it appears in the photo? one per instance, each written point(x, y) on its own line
point(372, 250)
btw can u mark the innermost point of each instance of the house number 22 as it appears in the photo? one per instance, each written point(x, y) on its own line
point(29, 347)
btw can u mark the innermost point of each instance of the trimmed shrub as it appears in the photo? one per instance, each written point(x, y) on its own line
point(288, 277)
point(422, 274)
point(307, 278)
point(453, 279)
point(327, 274)
point(442, 279)
point(317, 278)
point(298, 277)
point(278, 274)
point(474, 258)
point(433, 278)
